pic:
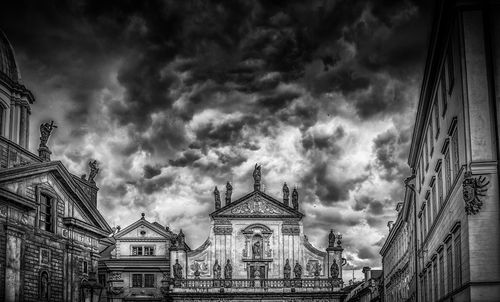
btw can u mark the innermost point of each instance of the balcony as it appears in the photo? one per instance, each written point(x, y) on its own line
point(255, 285)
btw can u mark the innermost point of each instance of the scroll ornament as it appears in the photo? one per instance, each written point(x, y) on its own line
point(473, 190)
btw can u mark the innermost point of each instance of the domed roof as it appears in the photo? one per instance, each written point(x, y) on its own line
point(8, 64)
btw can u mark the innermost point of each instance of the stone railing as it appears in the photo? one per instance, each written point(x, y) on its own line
point(210, 285)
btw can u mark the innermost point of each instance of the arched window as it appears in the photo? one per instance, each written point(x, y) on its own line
point(44, 286)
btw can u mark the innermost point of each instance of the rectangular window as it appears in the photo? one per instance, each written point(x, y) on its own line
point(440, 187)
point(137, 251)
point(451, 70)
point(444, 100)
point(426, 292)
point(149, 280)
point(435, 279)
point(441, 273)
point(136, 280)
point(454, 149)
point(45, 220)
point(449, 267)
point(426, 146)
point(85, 267)
point(149, 251)
point(430, 285)
point(447, 166)
point(458, 259)
point(436, 118)
point(434, 200)
point(429, 214)
point(431, 136)
point(102, 279)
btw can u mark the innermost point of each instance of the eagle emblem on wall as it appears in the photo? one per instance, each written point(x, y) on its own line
point(473, 190)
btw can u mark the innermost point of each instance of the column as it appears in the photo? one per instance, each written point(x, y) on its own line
point(13, 247)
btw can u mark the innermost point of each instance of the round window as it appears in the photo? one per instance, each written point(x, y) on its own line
point(143, 232)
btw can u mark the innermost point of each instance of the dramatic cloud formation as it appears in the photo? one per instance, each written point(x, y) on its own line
point(175, 97)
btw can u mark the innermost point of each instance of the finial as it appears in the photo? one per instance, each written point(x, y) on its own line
point(142, 214)
point(217, 198)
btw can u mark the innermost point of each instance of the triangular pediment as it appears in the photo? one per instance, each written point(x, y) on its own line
point(257, 204)
point(143, 229)
point(15, 180)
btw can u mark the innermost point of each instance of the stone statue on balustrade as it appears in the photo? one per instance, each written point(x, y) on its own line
point(217, 270)
point(297, 270)
point(177, 270)
point(287, 270)
point(228, 270)
point(334, 270)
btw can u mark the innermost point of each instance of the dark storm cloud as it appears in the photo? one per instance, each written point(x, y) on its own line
point(390, 149)
point(133, 82)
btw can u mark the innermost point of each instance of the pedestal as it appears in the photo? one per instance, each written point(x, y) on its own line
point(44, 153)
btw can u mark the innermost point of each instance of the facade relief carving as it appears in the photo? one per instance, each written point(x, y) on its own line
point(223, 230)
point(474, 189)
point(257, 206)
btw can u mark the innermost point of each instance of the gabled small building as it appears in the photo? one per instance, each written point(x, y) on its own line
point(136, 262)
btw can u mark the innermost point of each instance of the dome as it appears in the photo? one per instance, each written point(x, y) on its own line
point(8, 64)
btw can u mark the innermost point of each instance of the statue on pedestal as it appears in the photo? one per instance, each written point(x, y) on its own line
point(229, 191)
point(228, 270)
point(334, 270)
point(45, 131)
point(94, 169)
point(256, 250)
point(217, 198)
point(295, 199)
point(180, 239)
point(177, 270)
point(286, 194)
point(331, 239)
point(256, 177)
point(287, 270)
point(217, 270)
point(297, 270)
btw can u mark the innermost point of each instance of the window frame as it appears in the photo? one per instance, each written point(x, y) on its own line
point(40, 191)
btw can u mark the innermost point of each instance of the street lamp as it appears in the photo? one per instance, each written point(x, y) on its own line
point(91, 290)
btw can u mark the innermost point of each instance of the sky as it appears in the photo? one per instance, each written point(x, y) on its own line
point(175, 97)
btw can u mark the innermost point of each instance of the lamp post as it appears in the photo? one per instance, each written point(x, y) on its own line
point(91, 290)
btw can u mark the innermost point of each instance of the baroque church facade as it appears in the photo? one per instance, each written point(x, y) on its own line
point(49, 223)
point(256, 249)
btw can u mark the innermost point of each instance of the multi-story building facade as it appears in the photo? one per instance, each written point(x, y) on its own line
point(398, 252)
point(49, 223)
point(454, 153)
point(370, 290)
point(257, 250)
point(136, 264)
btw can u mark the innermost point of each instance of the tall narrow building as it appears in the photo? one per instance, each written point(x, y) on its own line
point(50, 226)
point(455, 154)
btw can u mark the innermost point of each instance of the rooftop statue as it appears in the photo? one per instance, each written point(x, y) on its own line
point(45, 131)
point(229, 192)
point(295, 199)
point(94, 169)
point(217, 198)
point(257, 177)
point(286, 194)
